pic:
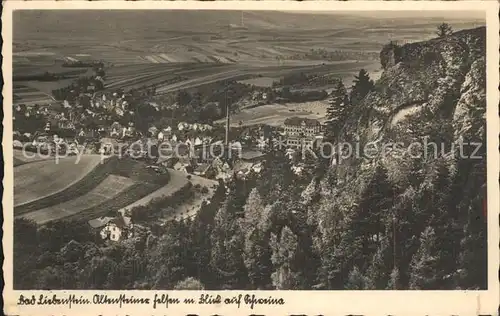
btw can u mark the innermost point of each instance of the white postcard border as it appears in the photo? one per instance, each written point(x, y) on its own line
point(296, 302)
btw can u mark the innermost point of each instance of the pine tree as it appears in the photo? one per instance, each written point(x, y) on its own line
point(423, 270)
point(284, 250)
point(393, 283)
point(253, 211)
point(361, 87)
point(444, 29)
point(257, 259)
point(337, 111)
point(373, 209)
point(356, 280)
point(277, 176)
point(378, 272)
point(473, 259)
point(227, 247)
point(256, 253)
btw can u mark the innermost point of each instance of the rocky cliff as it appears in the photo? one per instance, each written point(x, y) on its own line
point(437, 84)
point(431, 92)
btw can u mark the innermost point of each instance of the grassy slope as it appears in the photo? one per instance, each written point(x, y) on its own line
point(90, 192)
point(42, 179)
point(109, 188)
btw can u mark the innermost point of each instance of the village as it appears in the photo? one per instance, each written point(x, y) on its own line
point(201, 152)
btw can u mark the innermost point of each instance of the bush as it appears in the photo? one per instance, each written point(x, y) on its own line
point(204, 190)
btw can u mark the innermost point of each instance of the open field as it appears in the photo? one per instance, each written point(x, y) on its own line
point(72, 192)
point(41, 179)
point(152, 53)
point(242, 72)
point(51, 64)
point(107, 189)
point(276, 114)
point(18, 162)
point(21, 158)
point(260, 81)
point(25, 94)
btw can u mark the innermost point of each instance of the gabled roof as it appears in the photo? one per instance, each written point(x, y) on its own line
point(242, 166)
point(121, 221)
point(298, 121)
point(202, 168)
point(99, 222)
point(251, 154)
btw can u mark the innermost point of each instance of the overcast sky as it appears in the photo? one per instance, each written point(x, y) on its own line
point(466, 15)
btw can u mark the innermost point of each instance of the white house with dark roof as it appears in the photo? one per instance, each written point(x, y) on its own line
point(113, 228)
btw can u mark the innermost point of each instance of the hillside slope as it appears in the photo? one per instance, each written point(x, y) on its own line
point(430, 92)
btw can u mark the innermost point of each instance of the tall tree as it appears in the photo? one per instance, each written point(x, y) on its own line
point(444, 29)
point(373, 210)
point(256, 253)
point(285, 275)
point(227, 246)
point(337, 111)
point(378, 272)
point(393, 283)
point(356, 280)
point(423, 268)
point(168, 260)
point(361, 87)
point(257, 259)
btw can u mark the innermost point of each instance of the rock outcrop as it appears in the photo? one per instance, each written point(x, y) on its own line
point(431, 92)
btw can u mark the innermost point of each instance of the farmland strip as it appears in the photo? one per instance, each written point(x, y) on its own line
point(83, 186)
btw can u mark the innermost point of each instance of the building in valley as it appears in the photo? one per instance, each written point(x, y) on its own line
point(301, 131)
point(113, 228)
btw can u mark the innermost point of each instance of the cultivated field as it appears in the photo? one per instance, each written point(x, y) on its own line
point(24, 94)
point(260, 81)
point(22, 158)
point(32, 65)
point(276, 114)
point(106, 190)
point(264, 43)
point(45, 191)
point(41, 179)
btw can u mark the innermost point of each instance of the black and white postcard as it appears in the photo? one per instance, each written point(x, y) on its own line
point(237, 158)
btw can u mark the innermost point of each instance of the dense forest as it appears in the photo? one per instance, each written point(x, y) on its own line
point(347, 222)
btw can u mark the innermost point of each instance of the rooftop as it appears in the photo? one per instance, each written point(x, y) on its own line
point(251, 154)
point(99, 222)
point(297, 121)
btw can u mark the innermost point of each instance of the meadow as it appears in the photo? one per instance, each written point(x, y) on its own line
point(105, 190)
point(36, 180)
point(45, 191)
point(212, 46)
point(276, 114)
